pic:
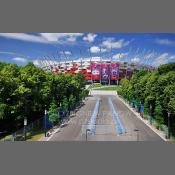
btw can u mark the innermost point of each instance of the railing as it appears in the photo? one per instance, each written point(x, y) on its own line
point(27, 132)
point(36, 129)
point(151, 119)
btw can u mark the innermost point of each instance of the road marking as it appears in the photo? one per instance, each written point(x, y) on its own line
point(92, 122)
point(118, 124)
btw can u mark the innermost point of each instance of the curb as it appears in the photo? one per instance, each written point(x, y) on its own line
point(159, 133)
point(43, 139)
point(55, 131)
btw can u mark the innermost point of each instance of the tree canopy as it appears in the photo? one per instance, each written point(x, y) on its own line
point(155, 88)
point(25, 91)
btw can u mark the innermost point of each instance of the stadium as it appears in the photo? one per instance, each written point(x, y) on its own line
point(95, 70)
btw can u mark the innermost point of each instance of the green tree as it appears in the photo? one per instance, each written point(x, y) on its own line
point(53, 113)
point(72, 102)
point(155, 88)
point(158, 113)
point(65, 105)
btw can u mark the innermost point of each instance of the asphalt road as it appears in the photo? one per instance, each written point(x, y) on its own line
point(105, 127)
point(75, 130)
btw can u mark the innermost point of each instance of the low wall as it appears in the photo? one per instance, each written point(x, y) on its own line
point(102, 92)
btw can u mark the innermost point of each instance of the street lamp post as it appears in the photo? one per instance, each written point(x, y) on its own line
point(87, 130)
point(45, 118)
point(90, 91)
point(169, 114)
point(151, 114)
point(25, 124)
point(137, 131)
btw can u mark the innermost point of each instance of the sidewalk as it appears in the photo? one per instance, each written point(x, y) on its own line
point(158, 132)
point(54, 130)
point(51, 134)
point(57, 129)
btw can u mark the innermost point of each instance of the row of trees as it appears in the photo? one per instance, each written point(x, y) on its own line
point(25, 92)
point(155, 89)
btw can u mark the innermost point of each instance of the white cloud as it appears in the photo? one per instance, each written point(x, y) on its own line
point(8, 53)
point(135, 59)
point(161, 59)
point(24, 37)
point(109, 42)
point(37, 62)
point(49, 38)
point(165, 42)
point(96, 49)
point(67, 52)
point(90, 37)
point(20, 59)
point(13, 53)
point(118, 56)
point(57, 37)
point(172, 57)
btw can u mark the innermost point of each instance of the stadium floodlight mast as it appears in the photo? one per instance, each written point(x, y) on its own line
point(59, 58)
point(148, 55)
point(110, 66)
point(129, 53)
point(126, 71)
point(65, 58)
point(81, 59)
point(72, 57)
point(150, 58)
point(51, 62)
point(143, 55)
point(100, 66)
point(43, 63)
point(48, 58)
point(54, 59)
point(47, 62)
point(145, 58)
point(90, 63)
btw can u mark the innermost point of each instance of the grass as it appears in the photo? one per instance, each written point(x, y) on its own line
point(8, 137)
point(113, 88)
point(173, 138)
point(36, 137)
point(30, 136)
point(95, 85)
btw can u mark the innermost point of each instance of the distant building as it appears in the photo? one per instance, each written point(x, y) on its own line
point(95, 70)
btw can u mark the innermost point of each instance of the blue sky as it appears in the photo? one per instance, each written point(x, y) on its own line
point(148, 48)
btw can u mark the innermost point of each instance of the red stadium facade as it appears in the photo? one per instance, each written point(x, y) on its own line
point(95, 71)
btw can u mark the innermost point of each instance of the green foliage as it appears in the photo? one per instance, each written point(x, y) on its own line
point(27, 90)
point(72, 102)
point(156, 88)
point(166, 68)
point(171, 105)
point(158, 113)
point(53, 113)
point(65, 104)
